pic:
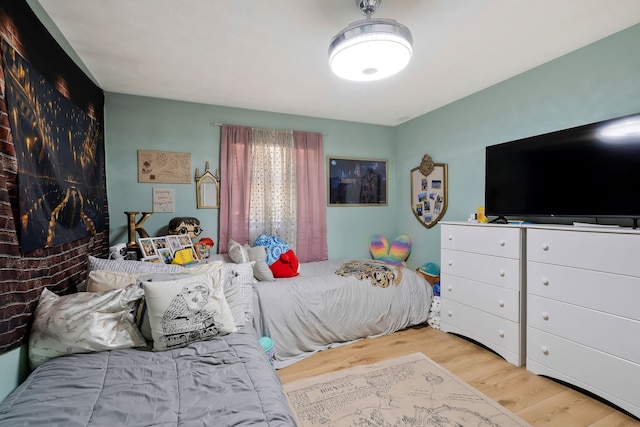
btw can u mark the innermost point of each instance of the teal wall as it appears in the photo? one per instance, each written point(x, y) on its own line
point(597, 82)
point(139, 123)
point(13, 369)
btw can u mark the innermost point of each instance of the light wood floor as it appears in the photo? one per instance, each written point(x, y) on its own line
point(538, 400)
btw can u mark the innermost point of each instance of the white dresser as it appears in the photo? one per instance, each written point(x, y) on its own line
point(583, 309)
point(481, 285)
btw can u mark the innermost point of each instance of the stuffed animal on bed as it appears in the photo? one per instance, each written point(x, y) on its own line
point(282, 260)
point(395, 254)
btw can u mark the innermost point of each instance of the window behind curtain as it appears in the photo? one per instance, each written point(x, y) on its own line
point(307, 183)
point(273, 185)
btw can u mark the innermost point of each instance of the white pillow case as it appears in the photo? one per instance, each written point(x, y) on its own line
point(103, 280)
point(130, 266)
point(186, 310)
point(242, 276)
point(261, 270)
point(237, 252)
point(83, 323)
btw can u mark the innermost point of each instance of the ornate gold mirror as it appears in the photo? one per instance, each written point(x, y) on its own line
point(207, 189)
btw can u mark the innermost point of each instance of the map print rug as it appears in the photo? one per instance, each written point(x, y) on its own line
point(409, 391)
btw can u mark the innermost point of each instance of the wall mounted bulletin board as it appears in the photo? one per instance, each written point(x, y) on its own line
point(164, 166)
point(356, 182)
point(429, 194)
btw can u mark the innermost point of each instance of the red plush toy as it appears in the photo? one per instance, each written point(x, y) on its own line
point(286, 266)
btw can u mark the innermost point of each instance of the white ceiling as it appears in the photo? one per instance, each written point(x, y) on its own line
point(272, 55)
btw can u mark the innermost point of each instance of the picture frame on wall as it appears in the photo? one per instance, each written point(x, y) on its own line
point(356, 181)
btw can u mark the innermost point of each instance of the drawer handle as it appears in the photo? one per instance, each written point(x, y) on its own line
point(501, 333)
point(449, 288)
point(501, 303)
point(545, 315)
point(450, 263)
point(545, 247)
point(502, 273)
point(545, 350)
point(545, 281)
point(449, 313)
point(502, 243)
point(450, 237)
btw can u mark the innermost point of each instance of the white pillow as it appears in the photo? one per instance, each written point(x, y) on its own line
point(186, 310)
point(242, 276)
point(83, 323)
point(261, 270)
point(103, 280)
point(237, 252)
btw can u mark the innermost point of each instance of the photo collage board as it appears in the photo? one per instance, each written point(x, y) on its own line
point(162, 250)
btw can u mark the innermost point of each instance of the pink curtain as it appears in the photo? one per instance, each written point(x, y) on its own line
point(235, 184)
point(311, 197)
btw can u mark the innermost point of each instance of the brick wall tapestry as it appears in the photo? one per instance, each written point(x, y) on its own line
point(60, 268)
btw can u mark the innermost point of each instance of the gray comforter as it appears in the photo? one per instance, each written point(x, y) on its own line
point(226, 381)
point(319, 309)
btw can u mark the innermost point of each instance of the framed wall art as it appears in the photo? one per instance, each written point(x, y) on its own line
point(356, 182)
point(164, 166)
point(429, 193)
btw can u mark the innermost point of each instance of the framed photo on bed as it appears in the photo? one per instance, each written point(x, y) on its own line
point(356, 182)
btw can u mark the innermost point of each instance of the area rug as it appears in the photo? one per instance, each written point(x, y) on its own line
point(408, 391)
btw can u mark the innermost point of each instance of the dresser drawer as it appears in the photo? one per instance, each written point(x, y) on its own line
point(612, 378)
point(492, 299)
point(483, 327)
point(611, 293)
point(499, 240)
point(588, 327)
point(591, 250)
point(503, 272)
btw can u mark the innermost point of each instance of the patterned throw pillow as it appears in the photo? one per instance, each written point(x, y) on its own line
point(275, 246)
point(186, 310)
point(231, 291)
point(83, 323)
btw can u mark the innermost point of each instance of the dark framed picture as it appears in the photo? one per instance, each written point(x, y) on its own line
point(356, 182)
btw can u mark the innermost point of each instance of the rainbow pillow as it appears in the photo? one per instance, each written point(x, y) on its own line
point(395, 254)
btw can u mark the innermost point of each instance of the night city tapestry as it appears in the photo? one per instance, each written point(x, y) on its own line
point(60, 155)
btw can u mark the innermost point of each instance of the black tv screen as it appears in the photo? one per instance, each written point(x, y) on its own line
point(587, 171)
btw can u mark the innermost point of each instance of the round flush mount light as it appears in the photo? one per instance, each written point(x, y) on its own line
point(370, 49)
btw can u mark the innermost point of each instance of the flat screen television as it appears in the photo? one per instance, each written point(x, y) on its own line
point(590, 171)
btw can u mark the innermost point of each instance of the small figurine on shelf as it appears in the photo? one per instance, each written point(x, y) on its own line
point(481, 216)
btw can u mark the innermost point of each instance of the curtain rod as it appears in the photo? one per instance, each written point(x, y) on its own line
point(220, 124)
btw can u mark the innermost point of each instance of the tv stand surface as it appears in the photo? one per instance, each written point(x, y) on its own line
point(499, 220)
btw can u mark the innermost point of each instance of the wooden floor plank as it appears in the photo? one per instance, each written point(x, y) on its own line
point(536, 399)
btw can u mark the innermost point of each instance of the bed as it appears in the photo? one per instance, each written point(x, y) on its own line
point(94, 366)
point(224, 381)
point(336, 302)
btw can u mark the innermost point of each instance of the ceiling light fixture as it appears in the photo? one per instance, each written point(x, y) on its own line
point(370, 49)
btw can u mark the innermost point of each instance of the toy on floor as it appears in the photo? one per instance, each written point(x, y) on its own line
point(433, 319)
point(395, 254)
